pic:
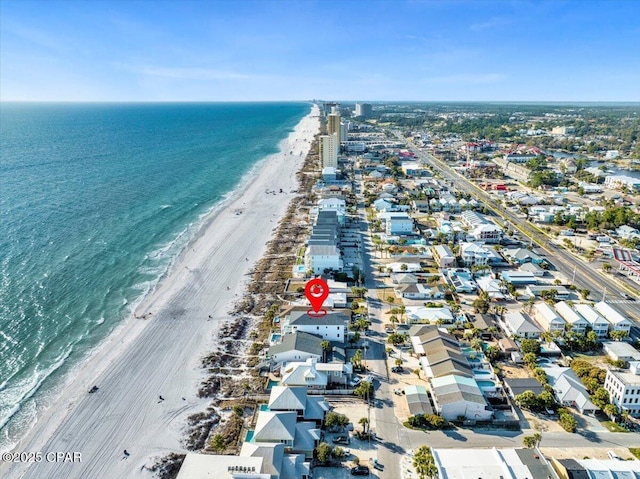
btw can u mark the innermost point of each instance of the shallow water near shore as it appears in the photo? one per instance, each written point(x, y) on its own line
point(97, 201)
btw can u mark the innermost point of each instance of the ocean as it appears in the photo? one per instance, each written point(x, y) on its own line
point(96, 201)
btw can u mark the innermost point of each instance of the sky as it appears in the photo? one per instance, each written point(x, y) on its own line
point(402, 50)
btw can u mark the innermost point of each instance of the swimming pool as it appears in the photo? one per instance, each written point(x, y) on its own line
point(484, 384)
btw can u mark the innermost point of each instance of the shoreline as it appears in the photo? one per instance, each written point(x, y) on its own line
point(142, 359)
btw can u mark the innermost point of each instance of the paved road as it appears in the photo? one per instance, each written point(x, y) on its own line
point(394, 440)
point(564, 261)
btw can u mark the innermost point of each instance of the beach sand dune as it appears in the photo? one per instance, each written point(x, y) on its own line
point(160, 355)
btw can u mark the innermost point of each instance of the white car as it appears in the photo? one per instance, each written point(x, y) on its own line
point(369, 379)
point(355, 381)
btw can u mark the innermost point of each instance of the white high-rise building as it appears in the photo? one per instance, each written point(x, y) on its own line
point(344, 130)
point(329, 151)
point(363, 110)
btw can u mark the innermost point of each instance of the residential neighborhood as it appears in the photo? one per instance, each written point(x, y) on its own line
point(472, 326)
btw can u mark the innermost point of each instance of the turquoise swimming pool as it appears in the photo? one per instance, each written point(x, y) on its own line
point(484, 384)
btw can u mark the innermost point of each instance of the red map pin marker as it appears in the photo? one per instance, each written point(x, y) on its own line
point(316, 291)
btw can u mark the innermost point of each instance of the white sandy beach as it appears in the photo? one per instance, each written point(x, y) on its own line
point(160, 356)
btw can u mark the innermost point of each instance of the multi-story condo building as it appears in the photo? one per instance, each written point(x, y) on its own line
point(623, 387)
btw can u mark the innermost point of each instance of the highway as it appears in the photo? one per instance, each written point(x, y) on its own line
point(565, 262)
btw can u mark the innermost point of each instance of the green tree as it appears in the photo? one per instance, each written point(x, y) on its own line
point(610, 410)
point(398, 362)
point(527, 400)
point(364, 422)
point(323, 452)
point(530, 346)
point(532, 441)
point(492, 353)
point(338, 453)
point(618, 335)
point(568, 422)
point(416, 371)
point(218, 444)
point(424, 463)
point(530, 360)
point(335, 420)
point(326, 348)
point(364, 390)
point(356, 359)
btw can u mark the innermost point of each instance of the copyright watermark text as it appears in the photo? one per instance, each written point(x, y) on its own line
point(51, 456)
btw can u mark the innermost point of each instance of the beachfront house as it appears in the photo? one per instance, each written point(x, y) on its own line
point(295, 399)
point(304, 374)
point(331, 326)
point(298, 346)
point(319, 258)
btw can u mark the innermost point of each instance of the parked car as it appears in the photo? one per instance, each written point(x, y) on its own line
point(355, 381)
point(340, 440)
point(613, 455)
point(377, 465)
point(397, 369)
point(369, 378)
point(360, 471)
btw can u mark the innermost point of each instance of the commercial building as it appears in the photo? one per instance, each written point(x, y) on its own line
point(492, 464)
point(623, 387)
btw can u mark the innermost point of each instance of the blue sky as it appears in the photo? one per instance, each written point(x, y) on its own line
point(342, 50)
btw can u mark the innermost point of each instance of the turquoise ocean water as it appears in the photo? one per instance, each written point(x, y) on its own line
point(96, 200)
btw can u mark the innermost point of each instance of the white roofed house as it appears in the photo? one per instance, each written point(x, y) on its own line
point(331, 326)
point(598, 323)
point(546, 317)
point(456, 396)
point(304, 374)
point(421, 314)
point(397, 223)
point(569, 390)
point(298, 346)
point(336, 204)
point(473, 254)
point(420, 291)
point(444, 256)
point(295, 399)
point(575, 321)
point(319, 257)
point(618, 321)
point(520, 325)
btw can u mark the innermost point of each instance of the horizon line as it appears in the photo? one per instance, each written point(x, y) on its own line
point(515, 102)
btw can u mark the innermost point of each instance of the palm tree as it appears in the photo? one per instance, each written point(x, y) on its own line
point(364, 422)
point(325, 344)
point(402, 309)
point(606, 267)
point(476, 344)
